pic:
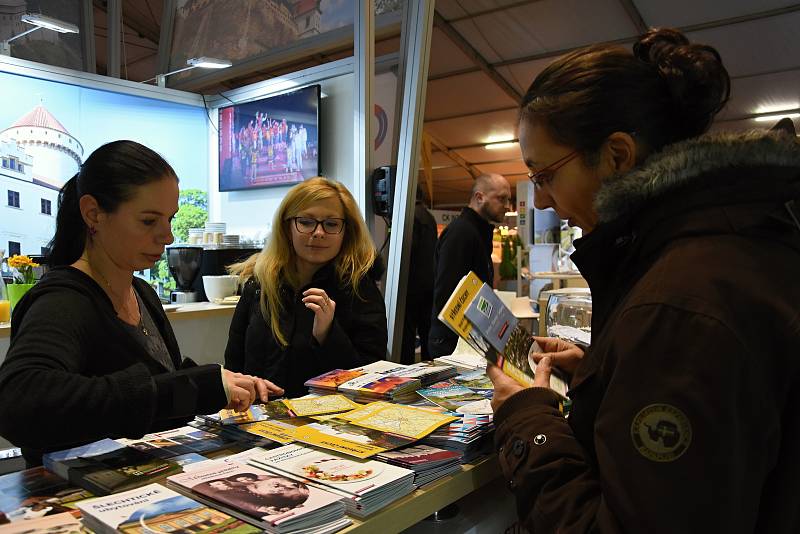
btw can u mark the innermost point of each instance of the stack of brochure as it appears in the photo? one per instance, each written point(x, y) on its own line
point(366, 485)
point(273, 502)
point(457, 398)
point(329, 382)
point(375, 386)
point(154, 508)
point(106, 466)
point(428, 463)
point(470, 434)
point(364, 386)
point(427, 372)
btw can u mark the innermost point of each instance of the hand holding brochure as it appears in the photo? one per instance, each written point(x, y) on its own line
point(476, 313)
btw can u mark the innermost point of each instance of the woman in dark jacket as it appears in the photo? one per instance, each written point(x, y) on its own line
point(92, 354)
point(309, 303)
point(683, 408)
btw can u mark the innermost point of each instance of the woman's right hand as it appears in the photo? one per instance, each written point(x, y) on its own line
point(243, 390)
point(563, 354)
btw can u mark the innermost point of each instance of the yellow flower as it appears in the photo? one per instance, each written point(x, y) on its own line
point(23, 266)
point(20, 262)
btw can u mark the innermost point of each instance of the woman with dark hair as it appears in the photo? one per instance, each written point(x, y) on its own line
point(91, 346)
point(681, 417)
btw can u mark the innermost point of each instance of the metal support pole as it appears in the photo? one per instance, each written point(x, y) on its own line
point(364, 64)
point(114, 44)
point(417, 29)
point(165, 37)
point(87, 36)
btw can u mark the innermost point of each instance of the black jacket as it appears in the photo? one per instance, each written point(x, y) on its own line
point(73, 374)
point(357, 337)
point(684, 415)
point(464, 246)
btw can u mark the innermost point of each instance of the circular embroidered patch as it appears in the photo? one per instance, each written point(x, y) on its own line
point(661, 432)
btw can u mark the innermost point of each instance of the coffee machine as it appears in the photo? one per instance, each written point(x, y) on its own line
point(216, 260)
point(184, 263)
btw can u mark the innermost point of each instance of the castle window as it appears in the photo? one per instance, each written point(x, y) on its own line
point(47, 207)
point(308, 22)
point(13, 248)
point(13, 198)
point(12, 164)
point(5, 163)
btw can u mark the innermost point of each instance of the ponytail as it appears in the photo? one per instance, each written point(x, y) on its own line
point(70, 237)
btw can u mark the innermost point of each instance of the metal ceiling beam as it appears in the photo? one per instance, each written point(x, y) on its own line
point(87, 37)
point(635, 16)
point(492, 10)
point(165, 37)
point(476, 57)
point(114, 39)
point(441, 147)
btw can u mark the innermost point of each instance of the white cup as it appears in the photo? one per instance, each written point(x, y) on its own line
point(219, 287)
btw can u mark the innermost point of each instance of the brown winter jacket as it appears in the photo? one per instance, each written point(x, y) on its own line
point(685, 412)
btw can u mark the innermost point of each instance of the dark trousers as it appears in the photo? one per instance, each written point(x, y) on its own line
point(417, 322)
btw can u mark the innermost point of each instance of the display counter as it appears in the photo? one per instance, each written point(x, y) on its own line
point(200, 327)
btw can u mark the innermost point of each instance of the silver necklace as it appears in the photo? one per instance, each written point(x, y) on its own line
point(140, 325)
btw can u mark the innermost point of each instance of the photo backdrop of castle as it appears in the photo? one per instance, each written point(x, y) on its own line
point(47, 129)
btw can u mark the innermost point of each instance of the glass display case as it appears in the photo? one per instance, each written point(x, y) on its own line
point(569, 315)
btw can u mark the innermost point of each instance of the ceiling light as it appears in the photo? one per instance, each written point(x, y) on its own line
point(777, 108)
point(192, 63)
point(497, 146)
point(43, 21)
point(208, 63)
point(38, 21)
point(776, 117)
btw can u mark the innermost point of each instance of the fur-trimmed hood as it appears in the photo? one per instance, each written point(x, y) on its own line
point(685, 163)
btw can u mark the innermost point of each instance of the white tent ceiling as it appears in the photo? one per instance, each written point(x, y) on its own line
point(485, 53)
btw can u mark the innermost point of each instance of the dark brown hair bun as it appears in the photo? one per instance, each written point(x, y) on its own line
point(694, 74)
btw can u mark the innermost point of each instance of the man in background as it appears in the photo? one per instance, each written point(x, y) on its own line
point(464, 246)
point(419, 296)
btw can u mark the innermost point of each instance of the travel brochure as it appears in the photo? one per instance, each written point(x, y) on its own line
point(320, 405)
point(35, 493)
point(455, 398)
point(154, 508)
point(271, 501)
point(477, 315)
point(367, 485)
point(63, 523)
point(178, 442)
point(106, 466)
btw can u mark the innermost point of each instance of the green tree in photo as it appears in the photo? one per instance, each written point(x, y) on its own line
point(192, 213)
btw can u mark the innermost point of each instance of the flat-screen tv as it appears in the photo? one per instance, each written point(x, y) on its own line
point(269, 142)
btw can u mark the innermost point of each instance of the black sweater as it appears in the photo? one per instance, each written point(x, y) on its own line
point(73, 374)
point(464, 246)
point(358, 335)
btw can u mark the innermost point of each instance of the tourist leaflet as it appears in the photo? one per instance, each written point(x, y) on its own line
point(271, 501)
point(155, 508)
point(332, 379)
point(106, 466)
point(320, 405)
point(367, 485)
point(493, 331)
point(178, 442)
point(36, 492)
point(372, 429)
point(63, 523)
point(452, 398)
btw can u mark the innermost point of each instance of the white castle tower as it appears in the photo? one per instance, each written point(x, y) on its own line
point(56, 154)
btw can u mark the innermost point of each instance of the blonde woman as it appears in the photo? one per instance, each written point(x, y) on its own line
point(310, 303)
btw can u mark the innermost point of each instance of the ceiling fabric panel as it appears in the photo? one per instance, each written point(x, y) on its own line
point(680, 13)
point(473, 131)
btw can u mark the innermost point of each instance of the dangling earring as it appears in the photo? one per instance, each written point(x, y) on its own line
point(92, 230)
